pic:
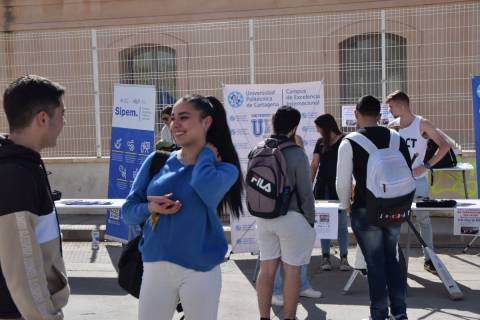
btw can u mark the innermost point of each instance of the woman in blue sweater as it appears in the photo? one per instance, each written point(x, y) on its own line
point(183, 241)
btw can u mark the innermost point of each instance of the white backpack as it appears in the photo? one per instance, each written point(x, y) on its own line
point(390, 183)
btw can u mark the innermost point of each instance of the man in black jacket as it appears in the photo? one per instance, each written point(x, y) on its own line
point(379, 244)
point(33, 281)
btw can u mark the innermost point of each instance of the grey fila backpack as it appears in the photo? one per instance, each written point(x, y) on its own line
point(390, 183)
point(268, 190)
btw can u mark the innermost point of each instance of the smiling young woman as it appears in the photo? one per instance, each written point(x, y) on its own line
point(182, 254)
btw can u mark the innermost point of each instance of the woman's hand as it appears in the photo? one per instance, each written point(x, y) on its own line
point(215, 151)
point(166, 209)
point(162, 205)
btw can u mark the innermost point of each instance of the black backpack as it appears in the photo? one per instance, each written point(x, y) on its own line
point(130, 265)
point(448, 161)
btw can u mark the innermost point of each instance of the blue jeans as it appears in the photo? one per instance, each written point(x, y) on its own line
point(342, 236)
point(278, 284)
point(386, 274)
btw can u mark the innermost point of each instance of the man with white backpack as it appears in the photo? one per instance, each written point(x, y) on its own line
point(379, 160)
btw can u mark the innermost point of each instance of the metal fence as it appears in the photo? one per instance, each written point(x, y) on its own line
point(430, 51)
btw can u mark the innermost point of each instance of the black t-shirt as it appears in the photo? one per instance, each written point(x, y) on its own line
point(327, 170)
point(380, 136)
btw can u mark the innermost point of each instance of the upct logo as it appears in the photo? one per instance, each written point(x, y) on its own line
point(260, 127)
point(235, 99)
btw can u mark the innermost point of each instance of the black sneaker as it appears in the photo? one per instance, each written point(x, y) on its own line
point(325, 264)
point(428, 265)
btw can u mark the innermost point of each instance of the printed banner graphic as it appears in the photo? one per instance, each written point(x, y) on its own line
point(349, 121)
point(249, 112)
point(466, 221)
point(133, 121)
point(326, 221)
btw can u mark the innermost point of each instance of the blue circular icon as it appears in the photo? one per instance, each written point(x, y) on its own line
point(235, 99)
point(232, 118)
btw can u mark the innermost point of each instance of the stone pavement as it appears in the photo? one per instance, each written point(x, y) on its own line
point(96, 295)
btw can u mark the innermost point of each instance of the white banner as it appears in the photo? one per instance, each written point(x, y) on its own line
point(326, 221)
point(349, 121)
point(348, 116)
point(244, 234)
point(249, 112)
point(386, 115)
point(466, 221)
point(133, 122)
point(133, 107)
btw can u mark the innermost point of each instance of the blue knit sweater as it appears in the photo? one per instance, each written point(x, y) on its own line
point(193, 237)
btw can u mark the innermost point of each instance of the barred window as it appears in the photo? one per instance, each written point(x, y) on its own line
point(149, 64)
point(361, 65)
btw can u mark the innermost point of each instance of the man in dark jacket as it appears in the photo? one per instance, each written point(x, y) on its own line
point(379, 244)
point(33, 282)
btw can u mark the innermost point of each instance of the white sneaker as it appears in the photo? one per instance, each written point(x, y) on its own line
point(277, 300)
point(311, 293)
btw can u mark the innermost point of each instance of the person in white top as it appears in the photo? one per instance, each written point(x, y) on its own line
point(166, 138)
point(416, 131)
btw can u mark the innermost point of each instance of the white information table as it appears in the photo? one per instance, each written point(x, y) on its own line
point(81, 204)
point(92, 206)
point(461, 203)
point(76, 204)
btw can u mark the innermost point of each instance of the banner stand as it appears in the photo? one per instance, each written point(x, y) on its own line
point(476, 124)
point(249, 112)
point(133, 123)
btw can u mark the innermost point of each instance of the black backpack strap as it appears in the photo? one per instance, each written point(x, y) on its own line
point(158, 162)
point(286, 145)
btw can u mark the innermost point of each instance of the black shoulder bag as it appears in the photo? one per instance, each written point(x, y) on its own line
point(449, 160)
point(130, 265)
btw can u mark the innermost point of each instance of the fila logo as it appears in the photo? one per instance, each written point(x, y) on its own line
point(261, 183)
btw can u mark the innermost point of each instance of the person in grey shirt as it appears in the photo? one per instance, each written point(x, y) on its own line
point(306, 289)
point(290, 237)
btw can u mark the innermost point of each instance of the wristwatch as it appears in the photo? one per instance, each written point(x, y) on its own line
point(427, 165)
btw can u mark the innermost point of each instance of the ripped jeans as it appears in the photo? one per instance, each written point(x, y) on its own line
point(386, 280)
